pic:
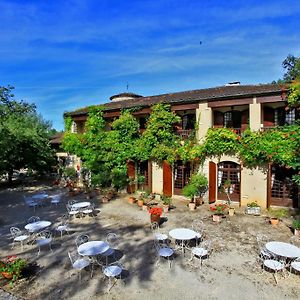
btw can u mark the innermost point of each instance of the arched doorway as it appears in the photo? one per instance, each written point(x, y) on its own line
point(228, 170)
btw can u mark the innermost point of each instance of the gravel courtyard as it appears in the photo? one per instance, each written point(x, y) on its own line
point(231, 271)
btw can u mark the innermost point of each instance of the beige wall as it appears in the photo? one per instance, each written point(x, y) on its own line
point(204, 120)
point(254, 186)
point(255, 117)
point(157, 179)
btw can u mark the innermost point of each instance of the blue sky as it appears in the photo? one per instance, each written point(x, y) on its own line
point(63, 55)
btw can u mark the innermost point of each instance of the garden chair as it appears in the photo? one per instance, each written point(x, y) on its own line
point(30, 202)
point(202, 252)
point(261, 243)
point(81, 239)
point(89, 210)
point(63, 226)
point(44, 238)
point(112, 240)
point(18, 236)
point(295, 265)
point(275, 266)
point(55, 199)
point(198, 227)
point(113, 270)
point(72, 211)
point(161, 237)
point(163, 251)
point(33, 219)
point(78, 262)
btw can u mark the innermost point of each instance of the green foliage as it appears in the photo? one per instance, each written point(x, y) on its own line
point(292, 66)
point(24, 136)
point(197, 186)
point(294, 94)
point(68, 123)
point(72, 143)
point(278, 213)
point(70, 173)
point(296, 224)
point(166, 200)
point(253, 204)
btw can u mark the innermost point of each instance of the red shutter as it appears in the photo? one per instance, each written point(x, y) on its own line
point(245, 119)
point(167, 179)
point(269, 116)
point(218, 119)
point(131, 173)
point(212, 182)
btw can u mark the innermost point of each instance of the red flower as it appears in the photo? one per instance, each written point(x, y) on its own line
point(155, 211)
point(218, 208)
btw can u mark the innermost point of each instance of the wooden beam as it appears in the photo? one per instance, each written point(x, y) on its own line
point(269, 99)
point(231, 102)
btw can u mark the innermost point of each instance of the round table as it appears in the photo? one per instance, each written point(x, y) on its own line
point(183, 234)
point(37, 226)
point(283, 249)
point(81, 204)
point(40, 196)
point(93, 248)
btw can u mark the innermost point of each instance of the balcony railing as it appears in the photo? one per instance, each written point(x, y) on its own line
point(184, 133)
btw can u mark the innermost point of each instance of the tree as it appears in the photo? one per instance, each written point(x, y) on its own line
point(24, 136)
point(292, 66)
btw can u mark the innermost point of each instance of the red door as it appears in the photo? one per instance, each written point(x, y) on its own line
point(212, 182)
point(131, 174)
point(167, 179)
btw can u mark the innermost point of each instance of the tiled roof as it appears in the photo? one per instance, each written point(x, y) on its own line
point(56, 138)
point(209, 94)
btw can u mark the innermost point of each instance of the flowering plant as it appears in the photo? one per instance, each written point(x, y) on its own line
point(13, 266)
point(155, 211)
point(218, 208)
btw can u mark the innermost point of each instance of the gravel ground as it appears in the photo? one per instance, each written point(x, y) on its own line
point(231, 271)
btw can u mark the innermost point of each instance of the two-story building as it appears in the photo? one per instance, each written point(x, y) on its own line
point(259, 107)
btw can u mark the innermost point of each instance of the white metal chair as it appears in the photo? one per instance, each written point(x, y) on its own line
point(112, 271)
point(112, 240)
point(44, 238)
point(18, 236)
point(274, 265)
point(164, 251)
point(89, 210)
point(55, 199)
point(202, 252)
point(261, 243)
point(78, 262)
point(161, 237)
point(81, 239)
point(72, 211)
point(33, 219)
point(295, 265)
point(198, 227)
point(63, 226)
point(30, 202)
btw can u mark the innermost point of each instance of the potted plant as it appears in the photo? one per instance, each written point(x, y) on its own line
point(155, 214)
point(12, 267)
point(197, 186)
point(218, 210)
point(276, 215)
point(166, 202)
point(296, 226)
point(140, 201)
point(253, 209)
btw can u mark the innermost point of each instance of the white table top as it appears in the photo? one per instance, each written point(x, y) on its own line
point(283, 249)
point(182, 234)
point(36, 226)
point(81, 204)
point(93, 248)
point(40, 196)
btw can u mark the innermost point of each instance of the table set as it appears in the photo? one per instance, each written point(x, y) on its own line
point(37, 226)
point(184, 235)
point(79, 205)
point(283, 249)
point(93, 248)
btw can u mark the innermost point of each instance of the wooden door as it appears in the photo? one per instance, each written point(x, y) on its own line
point(131, 174)
point(167, 179)
point(212, 182)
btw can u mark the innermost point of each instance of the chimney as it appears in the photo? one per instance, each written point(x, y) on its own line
point(233, 83)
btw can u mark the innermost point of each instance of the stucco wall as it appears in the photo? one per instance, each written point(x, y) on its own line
point(255, 115)
point(204, 120)
point(157, 179)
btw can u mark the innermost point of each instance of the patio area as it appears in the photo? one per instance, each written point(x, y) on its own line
point(231, 271)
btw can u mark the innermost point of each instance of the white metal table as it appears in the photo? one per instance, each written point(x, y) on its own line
point(283, 249)
point(79, 205)
point(183, 235)
point(40, 196)
point(37, 226)
point(93, 248)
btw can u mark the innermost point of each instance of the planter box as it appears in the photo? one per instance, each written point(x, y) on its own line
point(256, 211)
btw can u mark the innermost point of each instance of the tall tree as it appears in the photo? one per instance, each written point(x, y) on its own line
point(24, 136)
point(292, 68)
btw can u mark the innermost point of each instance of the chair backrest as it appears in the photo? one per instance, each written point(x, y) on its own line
point(45, 234)
point(261, 240)
point(81, 239)
point(33, 219)
point(154, 227)
point(15, 231)
point(206, 245)
point(71, 202)
point(73, 255)
point(112, 239)
point(198, 225)
point(56, 197)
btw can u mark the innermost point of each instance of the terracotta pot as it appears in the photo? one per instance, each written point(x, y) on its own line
point(192, 205)
point(199, 201)
point(297, 232)
point(274, 221)
point(145, 207)
point(105, 199)
point(131, 200)
point(7, 275)
point(231, 211)
point(140, 203)
point(166, 208)
point(155, 218)
point(217, 218)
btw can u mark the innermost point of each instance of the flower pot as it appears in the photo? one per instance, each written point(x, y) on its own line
point(297, 232)
point(231, 211)
point(145, 207)
point(7, 275)
point(140, 203)
point(155, 218)
point(192, 205)
point(198, 201)
point(217, 218)
point(166, 208)
point(105, 199)
point(131, 200)
point(274, 221)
